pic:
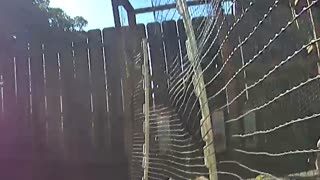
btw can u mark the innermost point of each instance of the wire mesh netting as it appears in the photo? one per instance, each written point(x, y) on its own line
point(203, 9)
point(260, 63)
point(173, 151)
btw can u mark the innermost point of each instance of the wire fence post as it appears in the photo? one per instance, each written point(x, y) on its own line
point(146, 108)
point(198, 82)
point(314, 31)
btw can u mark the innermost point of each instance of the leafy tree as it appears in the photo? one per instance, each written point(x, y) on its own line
point(43, 4)
point(80, 22)
point(59, 19)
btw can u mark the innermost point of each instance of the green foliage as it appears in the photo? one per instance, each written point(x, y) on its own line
point(43, 4)
point(59, 19)
point(80, 22)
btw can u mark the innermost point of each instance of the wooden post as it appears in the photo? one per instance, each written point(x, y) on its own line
point(314, 35)
point(198, 82)
point(146, 108)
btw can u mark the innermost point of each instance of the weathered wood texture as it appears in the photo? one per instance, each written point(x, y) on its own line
point(158, 64)
point(69, 96)
point(54, 98)
point(113, 55)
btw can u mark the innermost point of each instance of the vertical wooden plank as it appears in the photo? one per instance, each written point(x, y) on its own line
point(171, 43)
point(113, 54)
point(184, 59)
point(99, 94)
point(52, 92)
point(130, 79)
point(2, 57)
point(159, 74)
point(174, 41)
point(235, 87)
point(182, 40)
point(7, 72)
point(158, 64)
point(37, 92)
point(68, 84)
point(9, 100)
point(23, 123)
point(232, 89)
point(82, 101)
point(9, 81)
point(124, 58)
point(127, 43)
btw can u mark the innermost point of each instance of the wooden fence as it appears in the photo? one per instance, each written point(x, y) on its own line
point(62, 96)
point(68, 96)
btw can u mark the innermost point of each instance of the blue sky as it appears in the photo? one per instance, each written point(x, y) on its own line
point(99, 12)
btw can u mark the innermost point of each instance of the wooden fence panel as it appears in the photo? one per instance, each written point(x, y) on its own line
point(52, 92)
point(82, 101)
point(126, 44)
point(131, 38)
point(8, 130)
point(38, 109)
point(113, 53)
point(182, 40)
point(9, 94)
point(171, 43)
point(159, 76)
point(2, 57)
point(173, 57)
point(68, 85)
point(23, 111)
point(98, 82)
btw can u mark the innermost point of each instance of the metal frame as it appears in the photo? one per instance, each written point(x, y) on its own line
point(133, 12)
point(128, 7)
point(167, 6)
